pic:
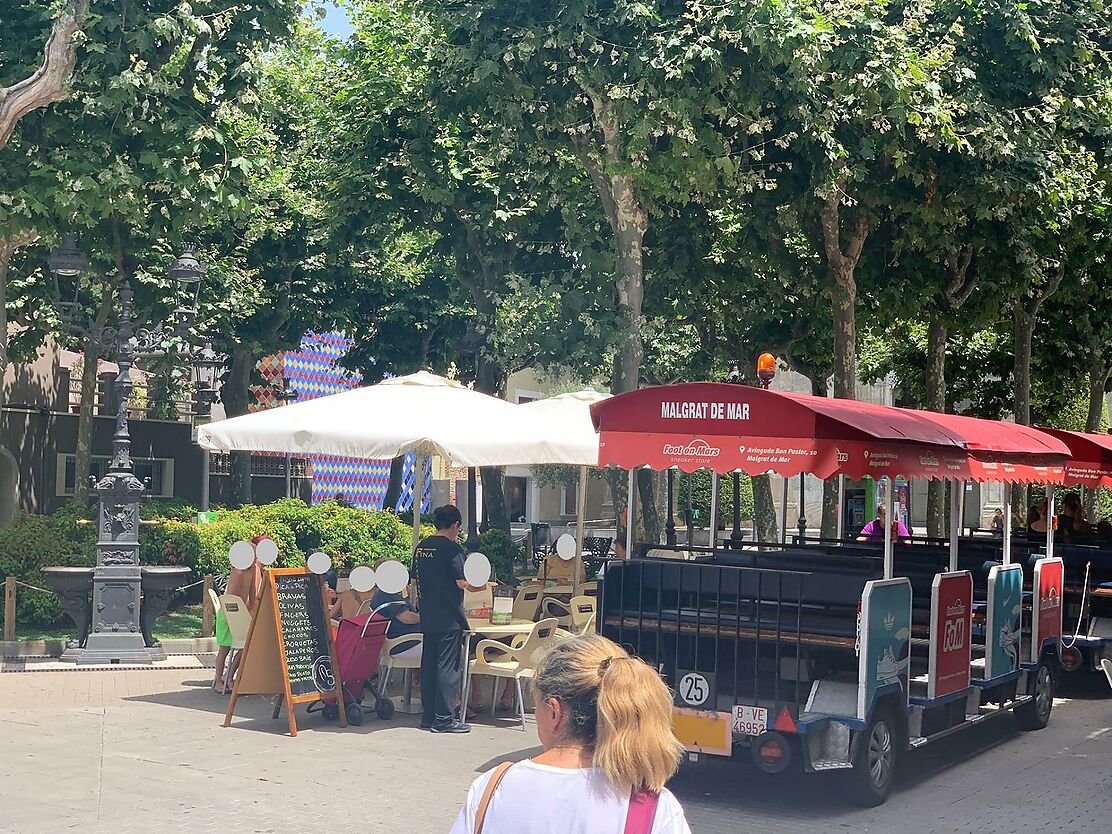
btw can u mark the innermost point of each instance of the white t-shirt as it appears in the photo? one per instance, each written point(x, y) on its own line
point(540, 799)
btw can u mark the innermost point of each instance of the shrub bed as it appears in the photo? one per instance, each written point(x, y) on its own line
point(350, 536)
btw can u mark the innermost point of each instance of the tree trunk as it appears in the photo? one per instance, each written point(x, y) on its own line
point(843, 305)
point(628, 222)
point(1098, 380)
point(1021, 376)
point(495, 516)
point(843, 289)
point(828, 527)
point(5, 260)
point(394, 485)
point(490, 379)
point(8, 247)
point(604, 158)
point(616, 480)
point(630, 294)
point(830, 508)
point(764, 510)
point(9, 478)
point(1023, 334)
point(90, 358)
point(236, 393)
point(936, 401)
point(50, 82)
point(650, 519)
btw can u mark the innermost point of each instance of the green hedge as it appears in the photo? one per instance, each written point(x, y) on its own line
point(33, 542)
point(350, 536)
point(502, 551)
point(699, 484)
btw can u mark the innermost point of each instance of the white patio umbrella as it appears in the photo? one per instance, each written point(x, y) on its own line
point(420, 413)
point(570, 416)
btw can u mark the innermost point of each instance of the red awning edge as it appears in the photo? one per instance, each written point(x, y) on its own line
point(1090, 463)
point(727, 428)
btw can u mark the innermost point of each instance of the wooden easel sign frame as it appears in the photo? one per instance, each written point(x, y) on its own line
point(266, 669)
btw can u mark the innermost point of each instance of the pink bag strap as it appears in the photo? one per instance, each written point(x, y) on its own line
point(642, 812)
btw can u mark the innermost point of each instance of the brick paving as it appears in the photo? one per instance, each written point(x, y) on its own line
point(143, 751)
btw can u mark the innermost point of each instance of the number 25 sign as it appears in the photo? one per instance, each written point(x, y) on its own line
point(695, 690)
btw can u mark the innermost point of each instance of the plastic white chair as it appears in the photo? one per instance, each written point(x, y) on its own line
point(528, 602)
point(514, 662)
point(1106, 665)
point(238, 617)
point(557, 608)
point(475, 600)
point(391, 662)
point(582, 613)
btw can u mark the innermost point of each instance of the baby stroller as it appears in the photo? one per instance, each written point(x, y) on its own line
point(359, 642)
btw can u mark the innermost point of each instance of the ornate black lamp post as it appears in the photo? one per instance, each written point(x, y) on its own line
point(116, 632)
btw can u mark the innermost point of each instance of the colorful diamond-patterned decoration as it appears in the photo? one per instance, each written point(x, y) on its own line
point(315, 371)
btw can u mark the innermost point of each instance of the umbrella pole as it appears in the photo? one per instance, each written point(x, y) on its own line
point(1008, 524)
point(205, 464)
point(841, 513)
point(889, 555)
point(629, 515)
point(1049, 520)
point(472, 543)
point(418, 494)
point(784, 510)
point(957, 488)
point(713, 509)
point(580, 522)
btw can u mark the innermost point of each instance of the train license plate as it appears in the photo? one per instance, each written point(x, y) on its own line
point(750, 721)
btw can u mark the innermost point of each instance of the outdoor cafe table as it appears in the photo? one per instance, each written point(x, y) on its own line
point(484, 628)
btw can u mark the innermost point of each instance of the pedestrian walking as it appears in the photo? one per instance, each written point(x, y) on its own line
point(438, 562)
point(605, 722)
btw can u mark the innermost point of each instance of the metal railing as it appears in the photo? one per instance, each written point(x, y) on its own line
point(747, 631)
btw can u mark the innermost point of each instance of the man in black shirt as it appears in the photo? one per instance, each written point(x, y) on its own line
point(438, 562)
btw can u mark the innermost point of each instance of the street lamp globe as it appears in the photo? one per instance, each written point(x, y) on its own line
point(206, 367)
point(187, 272)
point(67, 264)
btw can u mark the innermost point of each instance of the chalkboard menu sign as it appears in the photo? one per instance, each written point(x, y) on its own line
point(305, 630)
point(289, 649)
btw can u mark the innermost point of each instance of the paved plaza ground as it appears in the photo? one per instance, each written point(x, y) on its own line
point(143, 751)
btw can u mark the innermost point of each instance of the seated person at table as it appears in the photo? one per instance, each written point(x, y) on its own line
point(403, 620)
point(560, 570)
point(874, 530)
point(351, 603)
point(1036, 520)
point(1073, 519)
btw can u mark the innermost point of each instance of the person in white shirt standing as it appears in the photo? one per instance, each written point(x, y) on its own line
point(605, 722)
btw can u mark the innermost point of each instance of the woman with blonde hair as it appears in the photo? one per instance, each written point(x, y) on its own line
point(605, 722)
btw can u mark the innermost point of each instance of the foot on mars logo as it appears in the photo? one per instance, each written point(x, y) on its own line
point(695, 449)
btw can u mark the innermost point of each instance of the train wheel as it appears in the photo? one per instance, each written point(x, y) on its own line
point(874, 760)
point(1035, 714)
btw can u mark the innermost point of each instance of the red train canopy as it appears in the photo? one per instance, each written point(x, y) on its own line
point(734, 427)
point(1090, 462)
